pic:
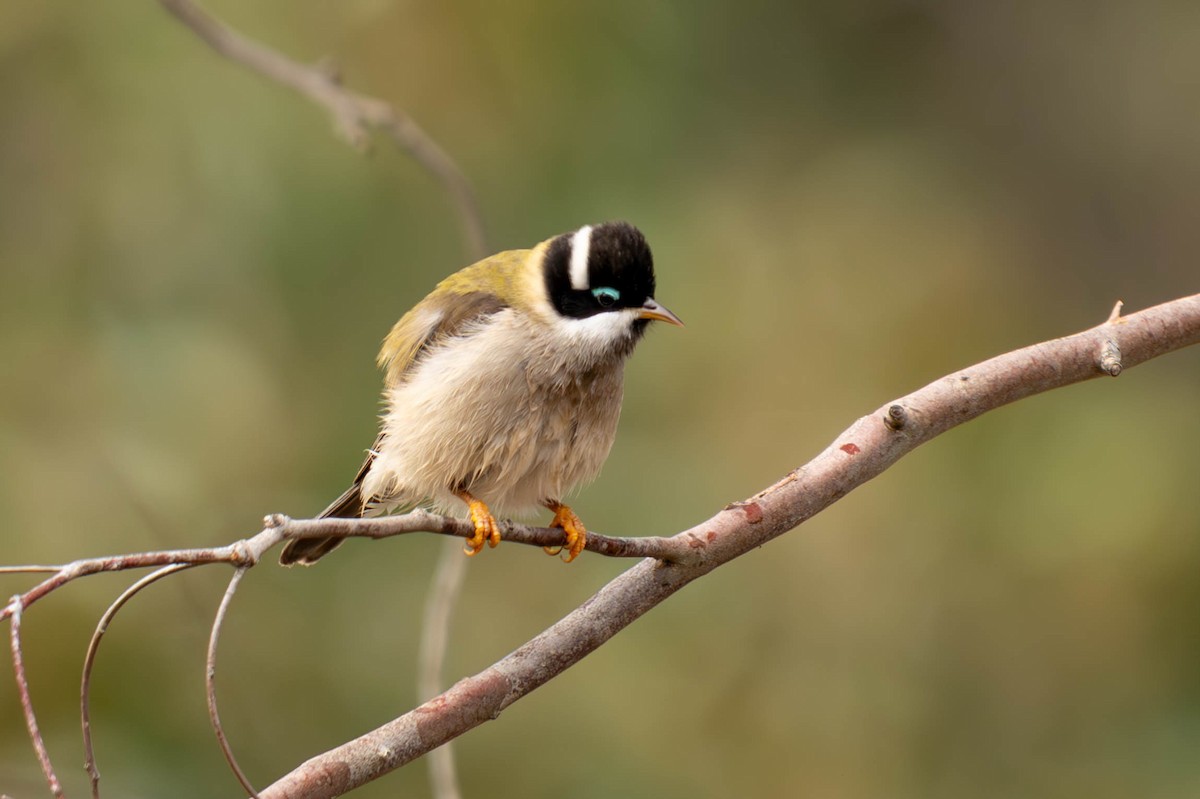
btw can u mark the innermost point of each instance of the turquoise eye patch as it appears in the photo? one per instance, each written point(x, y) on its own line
point(606, 296)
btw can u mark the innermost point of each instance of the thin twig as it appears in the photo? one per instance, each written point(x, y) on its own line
point(244, 554)
point(35, 734)
point(239, 553)
point(423, 521)
point(444, 590)
point(210, 688)
point(354, 115)
point(89, 660)
point(278, 528)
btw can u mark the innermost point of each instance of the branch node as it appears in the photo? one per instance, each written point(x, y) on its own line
point(329, 68)
point(349, 126)
point(896, 417)
point(1110, 357)
point(273, 520)
point(1116, 311)
point(243, 555)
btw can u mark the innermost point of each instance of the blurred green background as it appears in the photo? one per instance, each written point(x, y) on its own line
point(845, 201)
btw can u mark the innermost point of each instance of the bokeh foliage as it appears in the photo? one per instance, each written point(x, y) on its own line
point(845, 201)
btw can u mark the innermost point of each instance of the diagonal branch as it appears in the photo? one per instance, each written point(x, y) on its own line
point(863, 451)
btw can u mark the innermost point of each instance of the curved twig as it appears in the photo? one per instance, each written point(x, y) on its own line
point(210, 688)
point(89, 660)
point(35, 734)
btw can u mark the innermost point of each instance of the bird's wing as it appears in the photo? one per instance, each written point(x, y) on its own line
point(460, 300)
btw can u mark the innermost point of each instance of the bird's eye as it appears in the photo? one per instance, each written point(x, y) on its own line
point(606, 296)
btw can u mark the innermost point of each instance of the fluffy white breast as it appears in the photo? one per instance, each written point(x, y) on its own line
point(515, 411)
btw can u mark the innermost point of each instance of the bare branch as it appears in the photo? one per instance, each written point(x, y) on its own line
point(35, 734)
point(240, 553)
point(89, 660)
point(422, 521)
point(210, 687)
point(435, 632)
point(354, 115)
point(243, 555)
point(863, 451)
point(277, 528)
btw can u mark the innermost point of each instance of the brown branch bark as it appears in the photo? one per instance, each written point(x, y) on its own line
point(278, 528)
point(31, 724)
point(867, 448)
point(242, 555)
point(210, 687)
point(863, 451)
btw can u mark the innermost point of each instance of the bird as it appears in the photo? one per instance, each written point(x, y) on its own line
point(503, 387)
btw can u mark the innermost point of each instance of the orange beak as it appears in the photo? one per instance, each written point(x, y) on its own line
point(652, 310)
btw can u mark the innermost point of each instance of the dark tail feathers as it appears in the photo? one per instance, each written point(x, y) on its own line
point(307, 551)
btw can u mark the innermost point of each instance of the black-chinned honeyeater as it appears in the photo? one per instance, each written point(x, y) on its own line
point(504, 385)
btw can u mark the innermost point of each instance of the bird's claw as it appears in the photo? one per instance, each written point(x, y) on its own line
point(566, 520)
point(486, 527)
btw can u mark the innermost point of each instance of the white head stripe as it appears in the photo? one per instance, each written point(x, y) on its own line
point(581, 243)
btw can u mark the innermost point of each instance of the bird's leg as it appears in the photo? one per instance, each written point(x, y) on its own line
point(486, 528)
point(569, 523)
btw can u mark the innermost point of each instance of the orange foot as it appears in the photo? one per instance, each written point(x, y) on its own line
point(486, 528)
point(566, 520)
